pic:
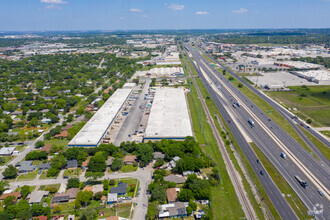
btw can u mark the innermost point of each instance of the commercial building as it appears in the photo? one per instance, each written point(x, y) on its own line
point(297, 65)
point(313, 75)
point(93, 132)
point(169, 116)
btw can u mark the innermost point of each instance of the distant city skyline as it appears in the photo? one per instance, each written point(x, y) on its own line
point(65, 15)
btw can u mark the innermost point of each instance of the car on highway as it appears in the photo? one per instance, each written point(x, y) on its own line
point(228, 121)
point(258, 161)
point(262, 172)
point(320, 192)
point(269, 119)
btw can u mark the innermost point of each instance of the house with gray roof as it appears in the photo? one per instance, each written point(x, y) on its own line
point(36, 197)
point(120, 190)
point(174, 210)
point(44, 166)
point(72, 164)
point(26, 166)
point(175, 178)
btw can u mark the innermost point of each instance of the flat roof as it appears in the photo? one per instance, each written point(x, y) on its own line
point(169, 116)
point(92, 133)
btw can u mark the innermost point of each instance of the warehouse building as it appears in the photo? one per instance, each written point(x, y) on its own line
point(313, 75)
point(169, 116)
point(92, 133)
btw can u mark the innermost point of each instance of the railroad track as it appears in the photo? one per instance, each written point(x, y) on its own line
point(249, 212)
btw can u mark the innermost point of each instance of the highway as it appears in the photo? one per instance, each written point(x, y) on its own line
point(295, 122)
point(270, 139)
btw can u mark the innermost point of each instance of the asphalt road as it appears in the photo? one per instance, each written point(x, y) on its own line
point(262, 139)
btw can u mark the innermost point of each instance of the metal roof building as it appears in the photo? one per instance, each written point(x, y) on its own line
point(169, 116)
point(92, 133)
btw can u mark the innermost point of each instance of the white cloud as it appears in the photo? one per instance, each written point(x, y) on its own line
point(240, 11)
point(175, 7)
point(121, 18)
point(202, 13)
point(135, 10)
point(53, 1)
point(144, 16)
point(53, 6)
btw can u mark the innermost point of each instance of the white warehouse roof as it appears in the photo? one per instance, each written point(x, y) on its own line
point(169, 117)
point(92, 133)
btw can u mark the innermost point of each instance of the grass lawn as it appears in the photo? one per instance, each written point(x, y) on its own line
point(72, 172)
point(131, 184)
point(6, 159)
point(67, 207)
point(324, 149)
point(310, 101)
point(32, 188)
point(326, 133)
point(43, 187)
point(128, 168)
point(28, 176)
point(43, 175)
point(57, 142)
point(284, 187)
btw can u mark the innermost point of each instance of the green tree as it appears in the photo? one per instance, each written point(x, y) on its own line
point(25, 191)
point(116, 164)
point(185, 195)
point(73, 182)
point(3, 186)
point(189, 210)
point(88, 214)
point(309, 121)
point(9, 200)
point(39, 144)
point(98, 196)
point(240, 85)
point(105, 185)
point(10, 172)
point(37, 209)
point(97, 164)
point(57, 209)
point(153, 211)
point(158, 193)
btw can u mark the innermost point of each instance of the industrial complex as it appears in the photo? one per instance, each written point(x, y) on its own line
point(169, 116)
point(93, 132)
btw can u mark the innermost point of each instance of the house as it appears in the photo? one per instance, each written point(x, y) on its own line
point(159, 155)
point(171, 195)
point(120, 190)
point(44, 166)
point(175, 210)
point(112, 198)
point(186, 173)
point(47, 148)
point(129, 159)
point(88, 188)
point(85, 163)
point(36, 197)
point(174, 160)
point(63, 134)
point(7, 151)
point(26, 166)
point(16, 194)
point(65, 197)
point(175, 178)
point(97, 188)
point(72, 164)
point(45, 120)
point(66, 128)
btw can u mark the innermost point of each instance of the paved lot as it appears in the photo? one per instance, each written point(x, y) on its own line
point(132, 122)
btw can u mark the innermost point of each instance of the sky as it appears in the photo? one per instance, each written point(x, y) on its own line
point(66, 15)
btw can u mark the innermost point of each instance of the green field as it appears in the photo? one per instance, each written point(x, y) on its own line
point(283, 186)
point(326, 133)
point(310, 101)
point(57, 142)
point(28, 176)
point(72, 172)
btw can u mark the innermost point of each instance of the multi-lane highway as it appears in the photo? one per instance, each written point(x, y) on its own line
point(290, 117)
point(271, 140)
